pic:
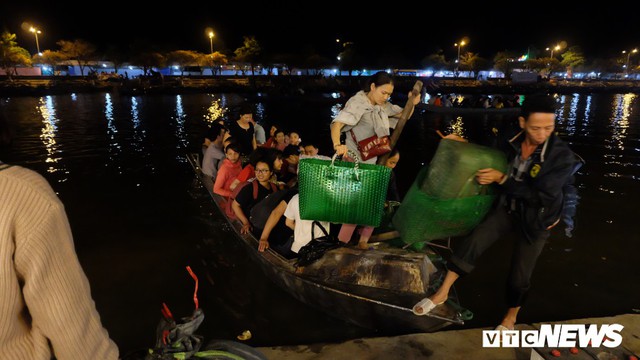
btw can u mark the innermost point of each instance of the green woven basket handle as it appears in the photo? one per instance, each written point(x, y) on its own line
point(355, 158)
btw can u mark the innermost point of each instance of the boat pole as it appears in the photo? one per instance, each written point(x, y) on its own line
point(404, 116)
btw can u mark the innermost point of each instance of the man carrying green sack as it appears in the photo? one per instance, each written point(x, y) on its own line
point(541, 165)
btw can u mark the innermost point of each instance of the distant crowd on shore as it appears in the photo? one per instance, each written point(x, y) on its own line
point(473, 101)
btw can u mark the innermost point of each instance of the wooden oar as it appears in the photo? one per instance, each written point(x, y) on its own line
point(404, 116)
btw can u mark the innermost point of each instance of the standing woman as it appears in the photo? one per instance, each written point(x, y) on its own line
point(365, 114)
point(242, 130)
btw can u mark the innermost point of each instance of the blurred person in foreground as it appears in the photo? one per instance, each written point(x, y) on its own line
point(46, 309)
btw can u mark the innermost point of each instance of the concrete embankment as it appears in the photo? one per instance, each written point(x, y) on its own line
point(459, 344)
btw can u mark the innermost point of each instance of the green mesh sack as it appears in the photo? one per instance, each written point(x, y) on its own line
point(342, 192)
point(455, 163)
point(422, 217)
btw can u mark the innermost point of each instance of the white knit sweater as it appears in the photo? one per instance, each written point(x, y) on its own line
point(46, 307)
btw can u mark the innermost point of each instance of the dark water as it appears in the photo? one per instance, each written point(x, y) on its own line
point(118, 165)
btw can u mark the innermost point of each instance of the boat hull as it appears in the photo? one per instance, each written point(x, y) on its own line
point(374, 289)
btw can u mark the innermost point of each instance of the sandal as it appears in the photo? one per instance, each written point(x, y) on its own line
point(424, 306)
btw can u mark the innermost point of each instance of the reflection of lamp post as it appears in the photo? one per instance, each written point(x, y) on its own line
point(626, 66)
point(211, 35)
point(459, 45)
point(36, 32)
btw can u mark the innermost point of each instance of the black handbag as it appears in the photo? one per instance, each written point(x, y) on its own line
point(316, 248)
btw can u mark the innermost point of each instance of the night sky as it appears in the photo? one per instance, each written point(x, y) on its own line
point(396, 29)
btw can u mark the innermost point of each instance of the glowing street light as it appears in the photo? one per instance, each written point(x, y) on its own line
point(211, 35)
point(36, 32)
point(459, 45)
point(555, 48)
point(626, 66)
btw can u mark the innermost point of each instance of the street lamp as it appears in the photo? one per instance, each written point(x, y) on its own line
point(211, 35)
point(556, 48)
point(626, 66)
point(36, 32)
point(459, 45)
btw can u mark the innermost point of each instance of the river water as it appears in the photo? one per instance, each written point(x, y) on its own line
point(118, 164)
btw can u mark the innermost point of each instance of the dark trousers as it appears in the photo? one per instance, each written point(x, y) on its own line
point(499, 223)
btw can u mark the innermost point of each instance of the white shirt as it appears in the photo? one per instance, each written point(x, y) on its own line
point(302, 231)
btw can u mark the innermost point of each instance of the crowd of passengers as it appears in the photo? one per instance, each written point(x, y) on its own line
point(259, 178)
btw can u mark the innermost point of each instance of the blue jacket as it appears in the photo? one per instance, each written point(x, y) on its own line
point(539, 199)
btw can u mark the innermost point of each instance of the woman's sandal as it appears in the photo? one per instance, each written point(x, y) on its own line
point(424, 306)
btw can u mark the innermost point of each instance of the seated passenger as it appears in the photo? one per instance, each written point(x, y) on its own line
point(245, 199)
point(280, 140)
point(289, 172)
point(213, 156)
point(310, 149)
point(274, 233)
point(301, 228)
point(294, 139)
point(248, 171)
point(392, 189)
point(259, 133)
point(274, 156)
point(228, 171)
point(211, 134)
point(271, 141)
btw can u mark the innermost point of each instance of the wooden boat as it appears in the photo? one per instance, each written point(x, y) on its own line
point(467, 110)
point(375, 289)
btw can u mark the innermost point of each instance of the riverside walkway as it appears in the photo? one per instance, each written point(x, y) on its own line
point(461, 344)
point(294, 85)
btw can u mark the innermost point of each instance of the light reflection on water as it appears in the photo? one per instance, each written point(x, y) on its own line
point(586, 120)
point(48, 134)
point(180, 131)
point(568, 112)
point(216, 110)
point(456, 127)
point(114, 146)
point(618, 155)
point(49, 129)
point(620, 120)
